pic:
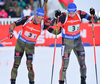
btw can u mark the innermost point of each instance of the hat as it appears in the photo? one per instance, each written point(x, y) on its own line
point(72, 7)
point(40, 12)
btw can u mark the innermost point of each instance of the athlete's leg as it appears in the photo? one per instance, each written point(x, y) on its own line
point(65, 62)
point(80, 53)
point(17, 59)
point(30, 54)
point(65, 53)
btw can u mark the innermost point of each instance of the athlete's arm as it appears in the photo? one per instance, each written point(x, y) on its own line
point(18, 22)
point(50, 27)
point(21, 21)
point(86, 16)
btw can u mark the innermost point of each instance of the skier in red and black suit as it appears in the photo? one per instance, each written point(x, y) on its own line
point(71, 40)
point(31, 29)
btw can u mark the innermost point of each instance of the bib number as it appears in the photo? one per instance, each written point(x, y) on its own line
point(30, 35)
point(73, 28)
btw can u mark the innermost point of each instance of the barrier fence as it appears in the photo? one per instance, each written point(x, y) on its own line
point(5, 21)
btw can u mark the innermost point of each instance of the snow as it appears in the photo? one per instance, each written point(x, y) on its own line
point(42, 66)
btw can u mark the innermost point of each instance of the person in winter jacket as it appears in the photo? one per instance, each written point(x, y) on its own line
point(3, 14)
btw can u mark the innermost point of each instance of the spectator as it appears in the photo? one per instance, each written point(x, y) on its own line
point(31, 4)
point(22, 4)
point(30, 7)
point(8, 3)
point(11, 13)
point(27, 1)
point(36, 5)
point(17, 9)
point(1, 3)
point(27, 11)
point(0, 9)
point(3, 14)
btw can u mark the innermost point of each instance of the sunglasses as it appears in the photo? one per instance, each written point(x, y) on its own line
point(71, 12)
point(39, 17)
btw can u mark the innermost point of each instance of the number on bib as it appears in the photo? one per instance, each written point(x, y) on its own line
point(30, 35)
point(73, 28)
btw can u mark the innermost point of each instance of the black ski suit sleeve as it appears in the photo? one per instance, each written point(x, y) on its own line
point(49, 26)
point(53, 22)
point(87, 16)
point(61, 20)
point(21, 21)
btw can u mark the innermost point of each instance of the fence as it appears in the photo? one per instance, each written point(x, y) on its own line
point(5, 21)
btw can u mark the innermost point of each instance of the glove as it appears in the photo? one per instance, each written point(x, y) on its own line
point(57, 13)
point(92, 11)
point(10, 35)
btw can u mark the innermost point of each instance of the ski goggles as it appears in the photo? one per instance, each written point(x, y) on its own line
point(39, 17)
point(71, 12)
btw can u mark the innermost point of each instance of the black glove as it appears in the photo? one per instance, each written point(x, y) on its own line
point(57, 13)
point(10, 35)
point(92, 11)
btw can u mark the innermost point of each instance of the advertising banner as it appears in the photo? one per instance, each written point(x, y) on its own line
point(48, 39)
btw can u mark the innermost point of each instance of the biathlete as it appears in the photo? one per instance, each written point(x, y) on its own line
point(32, 26)
point(71, 40)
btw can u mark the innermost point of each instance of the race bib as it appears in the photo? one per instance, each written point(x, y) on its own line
point(73, 28)
point(30, 35)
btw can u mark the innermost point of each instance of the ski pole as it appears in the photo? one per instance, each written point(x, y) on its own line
point(4, 39)
point(40, 3)
point(44, 2)
point(54, 51)
point(68, 1)
point(94, 51)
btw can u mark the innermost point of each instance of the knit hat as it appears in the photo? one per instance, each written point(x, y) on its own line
point(72, 7)
point(40, 12)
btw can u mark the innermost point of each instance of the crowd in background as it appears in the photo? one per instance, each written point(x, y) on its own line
point(18, 8)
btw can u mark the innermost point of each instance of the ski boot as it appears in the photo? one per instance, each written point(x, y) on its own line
point(61, 82)
point(83, 80)
point(12, 81)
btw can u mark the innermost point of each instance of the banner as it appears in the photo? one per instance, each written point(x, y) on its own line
point(87, 34)
point(48, 39)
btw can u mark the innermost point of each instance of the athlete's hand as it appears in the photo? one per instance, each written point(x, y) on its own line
point(10, 34)
point(92, 11)
point(57, 13)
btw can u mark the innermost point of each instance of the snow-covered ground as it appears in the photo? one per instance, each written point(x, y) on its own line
point(42, 65)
